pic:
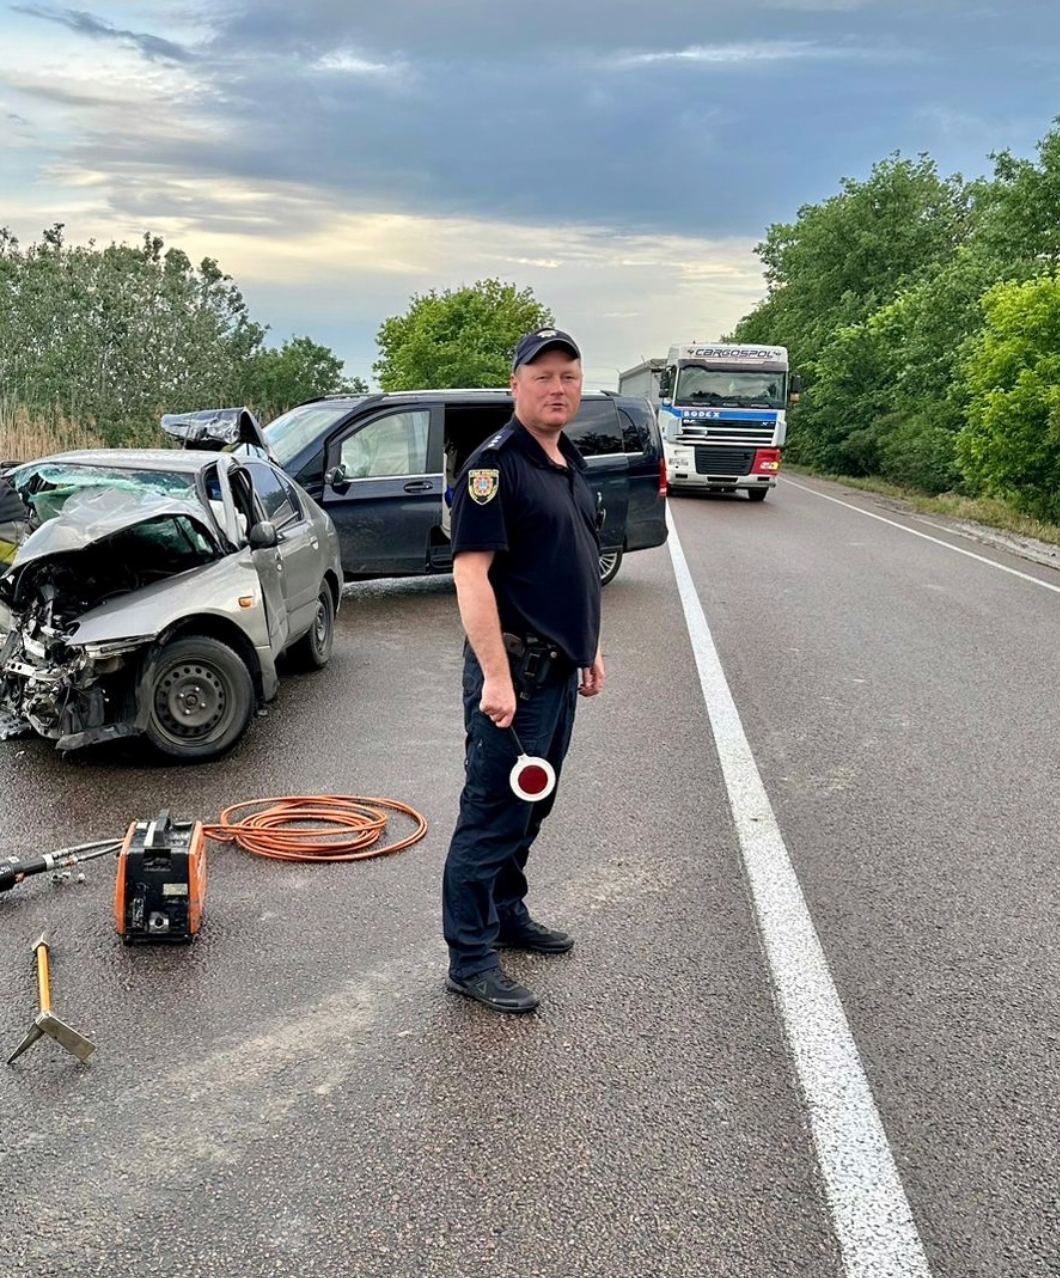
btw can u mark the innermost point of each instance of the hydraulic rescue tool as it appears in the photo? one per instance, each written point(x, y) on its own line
point(46, 1022)
point(161, 885)
point(13, 870)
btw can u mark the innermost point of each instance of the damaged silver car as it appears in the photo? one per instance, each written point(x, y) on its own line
point(152, 593)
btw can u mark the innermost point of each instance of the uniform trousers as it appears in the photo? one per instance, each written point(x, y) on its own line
point(484, 884)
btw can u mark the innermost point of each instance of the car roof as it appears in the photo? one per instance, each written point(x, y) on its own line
point(183, 460)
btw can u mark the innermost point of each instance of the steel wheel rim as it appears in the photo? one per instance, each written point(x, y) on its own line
point(192, 701)
point(321, 626)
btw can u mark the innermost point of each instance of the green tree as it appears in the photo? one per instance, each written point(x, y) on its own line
point(889, 395)
point(458, 337)
point(1020, 224)
point(844, 258)
point(1010, 447)
point(114, 337)
point(301, 369)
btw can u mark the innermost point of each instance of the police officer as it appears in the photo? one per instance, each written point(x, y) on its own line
point(527, 569)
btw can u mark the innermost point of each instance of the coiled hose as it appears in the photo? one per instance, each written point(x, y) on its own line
point(320, 827)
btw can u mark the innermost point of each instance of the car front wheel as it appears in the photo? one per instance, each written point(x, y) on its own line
point(201, 698)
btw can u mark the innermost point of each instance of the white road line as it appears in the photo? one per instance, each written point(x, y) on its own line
point(870, 1212)
point(957, 550)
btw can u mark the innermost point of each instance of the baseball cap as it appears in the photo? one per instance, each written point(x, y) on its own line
point(531, 345)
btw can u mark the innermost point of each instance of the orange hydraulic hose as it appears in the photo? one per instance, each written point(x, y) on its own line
point(321, 827)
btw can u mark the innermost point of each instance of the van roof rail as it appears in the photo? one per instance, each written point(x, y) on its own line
point(350, 395)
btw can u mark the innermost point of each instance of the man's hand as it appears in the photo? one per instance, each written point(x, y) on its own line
point(593, 678)
point(498, 701)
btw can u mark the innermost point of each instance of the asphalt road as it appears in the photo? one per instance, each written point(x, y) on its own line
point(296, 1094)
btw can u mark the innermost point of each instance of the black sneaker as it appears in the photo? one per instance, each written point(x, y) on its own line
point(535, 936)
point(496, 989)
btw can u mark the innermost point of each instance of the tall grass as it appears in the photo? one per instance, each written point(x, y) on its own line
point(25, 435)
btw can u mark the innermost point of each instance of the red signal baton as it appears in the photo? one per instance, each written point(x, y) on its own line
point(532, 778)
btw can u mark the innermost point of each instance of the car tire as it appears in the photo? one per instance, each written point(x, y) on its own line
point(757, 494)
point(313, 650)
point(200, 699)
point(610, 562)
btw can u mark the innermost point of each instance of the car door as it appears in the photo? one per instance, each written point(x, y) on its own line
point(238, 493)
point(298, 544)
point(646, 518)
point(597, 435)
point(381, 491)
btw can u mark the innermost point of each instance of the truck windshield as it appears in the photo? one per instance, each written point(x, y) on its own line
point(290, 433)
point(743, 388)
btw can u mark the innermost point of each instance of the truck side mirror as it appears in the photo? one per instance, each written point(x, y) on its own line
point(796, 388)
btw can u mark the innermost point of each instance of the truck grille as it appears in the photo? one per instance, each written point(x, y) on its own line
point(758, 433)
point(724, 461)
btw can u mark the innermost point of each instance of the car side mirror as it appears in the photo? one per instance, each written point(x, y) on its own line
point(337, 478)
point(264, 536)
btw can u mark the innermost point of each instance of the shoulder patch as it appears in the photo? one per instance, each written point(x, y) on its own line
point(483, 485)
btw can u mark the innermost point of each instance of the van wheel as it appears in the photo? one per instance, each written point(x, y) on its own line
point(313, 650)
point(610, 562)
point(200, 698)
point(757, 494)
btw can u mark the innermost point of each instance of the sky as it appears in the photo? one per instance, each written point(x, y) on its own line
point(620, 157)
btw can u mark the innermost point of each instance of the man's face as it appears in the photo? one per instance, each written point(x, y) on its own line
point(548, 392)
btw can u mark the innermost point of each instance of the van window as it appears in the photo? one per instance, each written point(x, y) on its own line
point(636, 426)
point(390, 446)
point(595, 431)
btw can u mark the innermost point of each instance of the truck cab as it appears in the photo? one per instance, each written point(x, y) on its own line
point(722, 411)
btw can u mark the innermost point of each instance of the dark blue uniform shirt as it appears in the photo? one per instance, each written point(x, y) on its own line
point(540, 520)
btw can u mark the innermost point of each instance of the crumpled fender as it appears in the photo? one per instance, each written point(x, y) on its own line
point(211, 590)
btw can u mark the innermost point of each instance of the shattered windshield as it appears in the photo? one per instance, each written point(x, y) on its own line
point(47, 487)
point(720, 387)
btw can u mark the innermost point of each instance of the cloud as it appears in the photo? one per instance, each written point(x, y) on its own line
point(58, 95)
point(350, 63)
point(543, 263)
point(308, 263)
point(152, 47)
point(764, 51)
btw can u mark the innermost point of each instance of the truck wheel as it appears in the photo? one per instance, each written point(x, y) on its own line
point(313, 650)
point(757, 494)
point(610, 562)
point(200, 696)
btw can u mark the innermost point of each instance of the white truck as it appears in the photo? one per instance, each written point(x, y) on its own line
point(722, 412)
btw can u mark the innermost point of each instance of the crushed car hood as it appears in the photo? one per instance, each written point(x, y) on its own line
point(93, 514)
point(213, 429)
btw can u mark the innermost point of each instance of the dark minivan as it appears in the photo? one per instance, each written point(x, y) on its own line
point(383, 467)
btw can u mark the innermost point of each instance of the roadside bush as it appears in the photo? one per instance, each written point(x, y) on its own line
point(1010, 447)
point(917, 454)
